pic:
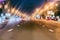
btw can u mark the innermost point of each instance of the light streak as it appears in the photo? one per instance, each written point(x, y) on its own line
point(15, 11)
point(48, 6)
point(21, 5)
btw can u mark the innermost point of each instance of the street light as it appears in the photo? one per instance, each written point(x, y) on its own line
point(13, 10)
point(56, 4)
point(6, 6)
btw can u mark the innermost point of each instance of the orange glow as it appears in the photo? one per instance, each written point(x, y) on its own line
point(48, 6)
point(13, 10)
point(56, 4)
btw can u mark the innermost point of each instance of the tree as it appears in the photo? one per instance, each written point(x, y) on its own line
point(57, 13)
point(0, 11)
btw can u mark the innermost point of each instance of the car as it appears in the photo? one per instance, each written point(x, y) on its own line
point(48, 18)
point(38, 16)
point(3, 24)
point(52, 17)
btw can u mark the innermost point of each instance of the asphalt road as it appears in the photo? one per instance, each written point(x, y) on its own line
point(33, 30)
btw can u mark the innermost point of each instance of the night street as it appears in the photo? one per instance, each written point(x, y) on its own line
point(29, 19)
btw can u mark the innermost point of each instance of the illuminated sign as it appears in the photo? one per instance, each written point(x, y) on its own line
point(2, 0)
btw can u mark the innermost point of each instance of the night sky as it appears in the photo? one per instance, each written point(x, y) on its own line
point(27, 5)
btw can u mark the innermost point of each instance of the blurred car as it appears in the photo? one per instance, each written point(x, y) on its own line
point(52, 17)
point(59, 20)
point(3, 24)
point(38, 17)
point(48, 18)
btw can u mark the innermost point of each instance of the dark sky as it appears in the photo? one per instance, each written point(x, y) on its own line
point(27, 5)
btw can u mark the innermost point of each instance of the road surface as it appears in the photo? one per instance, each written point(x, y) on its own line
point(33, 30)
